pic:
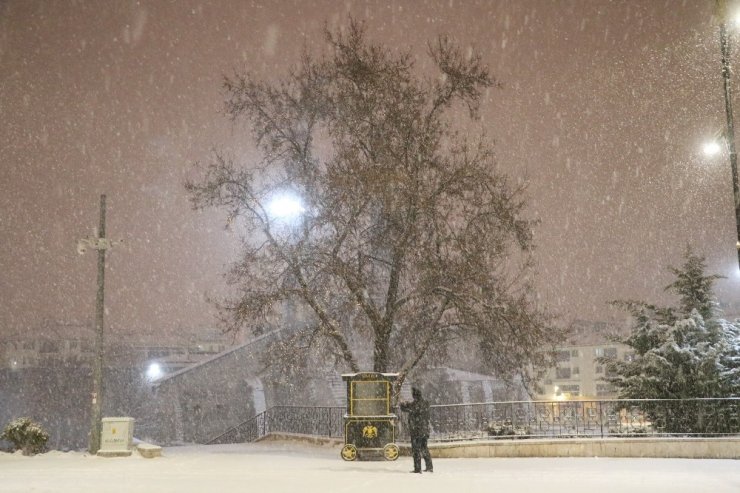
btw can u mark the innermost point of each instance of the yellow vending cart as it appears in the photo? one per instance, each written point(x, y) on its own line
point(369, 424)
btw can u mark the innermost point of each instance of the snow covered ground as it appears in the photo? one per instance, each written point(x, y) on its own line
point(291, 467)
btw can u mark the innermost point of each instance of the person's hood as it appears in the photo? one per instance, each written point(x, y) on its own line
point(416, 393)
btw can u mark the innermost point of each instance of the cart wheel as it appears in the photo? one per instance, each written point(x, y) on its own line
point(390, 451)
point(349, 452)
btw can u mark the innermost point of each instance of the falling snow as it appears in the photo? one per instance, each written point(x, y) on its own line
point(603, 114)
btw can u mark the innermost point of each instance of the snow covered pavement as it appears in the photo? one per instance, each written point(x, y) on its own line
point(294, 467)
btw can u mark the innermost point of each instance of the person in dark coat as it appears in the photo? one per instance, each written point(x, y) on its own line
point(418, 410)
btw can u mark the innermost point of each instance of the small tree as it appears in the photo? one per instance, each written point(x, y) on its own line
point(680, 353)
point(26, 435)
point(409, 239)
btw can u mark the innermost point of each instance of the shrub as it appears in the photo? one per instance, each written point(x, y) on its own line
point(506, 429)
point(25, 435)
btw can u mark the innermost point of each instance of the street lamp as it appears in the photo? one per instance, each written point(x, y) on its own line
point(711, 148)
point(153, 371)
point(285, 207)
point(101, 244)
point(724, 43)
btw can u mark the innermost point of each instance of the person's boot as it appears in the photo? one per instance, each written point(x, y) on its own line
point(415, 471)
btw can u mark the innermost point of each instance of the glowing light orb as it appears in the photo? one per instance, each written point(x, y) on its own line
point(285, 207)
point(154, 371)
point(712, 148)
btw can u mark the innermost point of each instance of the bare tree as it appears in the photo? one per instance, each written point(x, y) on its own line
point(409, 239)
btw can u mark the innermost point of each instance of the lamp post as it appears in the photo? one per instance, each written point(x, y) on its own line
point(101, 244)
point(724, 42)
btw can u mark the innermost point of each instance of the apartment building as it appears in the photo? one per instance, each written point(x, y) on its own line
point(577, 374)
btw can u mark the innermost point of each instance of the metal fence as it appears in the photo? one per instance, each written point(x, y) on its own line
point(594, 418)
point(315, 421)
point(521, 419)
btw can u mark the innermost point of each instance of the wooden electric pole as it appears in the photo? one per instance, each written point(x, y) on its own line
point(101, 244)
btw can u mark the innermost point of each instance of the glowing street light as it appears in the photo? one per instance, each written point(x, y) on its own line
point(712, 148)
point(286, 207)
point(154, 371)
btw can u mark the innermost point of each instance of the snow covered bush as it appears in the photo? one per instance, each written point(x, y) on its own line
point(684, 353)
point(26, 435)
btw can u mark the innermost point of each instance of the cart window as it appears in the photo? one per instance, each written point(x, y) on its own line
point(369, 398)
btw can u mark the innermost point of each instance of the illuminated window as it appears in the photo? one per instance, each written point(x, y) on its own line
point(573, 390)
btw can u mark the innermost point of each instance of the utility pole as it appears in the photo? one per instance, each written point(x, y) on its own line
point(101, 244)
point(724, 42)
point(97, 394)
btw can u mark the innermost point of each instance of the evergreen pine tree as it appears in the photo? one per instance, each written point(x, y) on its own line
point(693, 287)
point(729, 364)
point(680, 353)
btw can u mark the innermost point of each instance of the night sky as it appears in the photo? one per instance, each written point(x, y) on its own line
point(603, 111)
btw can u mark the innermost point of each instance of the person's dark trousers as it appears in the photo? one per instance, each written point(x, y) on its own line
point(419, 449)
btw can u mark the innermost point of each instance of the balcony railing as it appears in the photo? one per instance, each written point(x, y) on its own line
point(521, 419)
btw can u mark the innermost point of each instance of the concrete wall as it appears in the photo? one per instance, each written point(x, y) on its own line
point(690, 448)
point(687, 448)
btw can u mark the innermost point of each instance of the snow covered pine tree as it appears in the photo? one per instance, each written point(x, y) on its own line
point(685, 352)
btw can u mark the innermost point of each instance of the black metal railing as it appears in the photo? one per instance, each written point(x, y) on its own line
point(594, 418)
point(521, 419)
point(315, 421)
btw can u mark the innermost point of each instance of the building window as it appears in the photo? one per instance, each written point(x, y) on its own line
point(609, 352)
point(562, 373)
point(49, 347)
point(576, 370)
point(573, 390)
point(604, 389)
point(574, 353)
point(563, 355)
